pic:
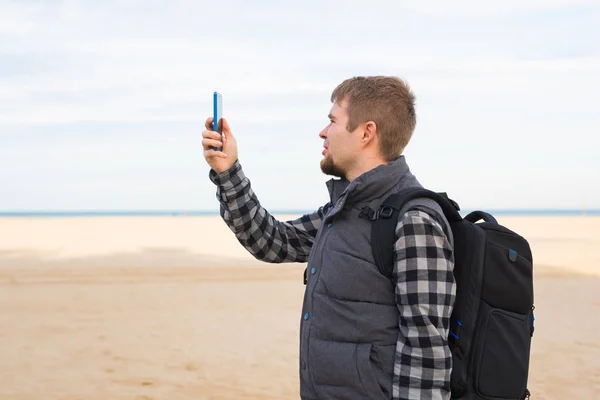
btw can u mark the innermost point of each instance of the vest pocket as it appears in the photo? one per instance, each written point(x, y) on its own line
point(366, 373)
point(342, 370)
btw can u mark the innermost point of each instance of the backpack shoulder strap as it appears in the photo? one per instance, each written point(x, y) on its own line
point(385, 219)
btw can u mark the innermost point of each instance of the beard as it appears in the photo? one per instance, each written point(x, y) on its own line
point(329, 167)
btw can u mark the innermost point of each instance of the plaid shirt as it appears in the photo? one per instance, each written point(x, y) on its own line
point(425, 287)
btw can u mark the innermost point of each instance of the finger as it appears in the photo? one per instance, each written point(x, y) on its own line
point(214, 153)
point(211, 135)
point(211, 143)
point(226, 128)
point(208, 124)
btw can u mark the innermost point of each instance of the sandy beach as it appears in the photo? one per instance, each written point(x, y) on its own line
point(174, 308)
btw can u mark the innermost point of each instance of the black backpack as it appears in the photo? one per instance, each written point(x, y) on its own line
point(492, 321)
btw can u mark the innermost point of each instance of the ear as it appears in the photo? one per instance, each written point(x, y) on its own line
point(369, 132)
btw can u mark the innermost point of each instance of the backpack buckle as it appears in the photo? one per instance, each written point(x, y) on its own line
point(374, 214)
point(386, 211)
point(383, 212)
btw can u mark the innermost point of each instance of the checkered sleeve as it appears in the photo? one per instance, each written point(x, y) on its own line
point(266, 238)
point(425, 294)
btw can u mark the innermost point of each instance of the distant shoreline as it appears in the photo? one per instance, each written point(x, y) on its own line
point(96, 214)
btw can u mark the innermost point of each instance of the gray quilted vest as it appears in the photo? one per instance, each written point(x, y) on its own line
point(349, 323)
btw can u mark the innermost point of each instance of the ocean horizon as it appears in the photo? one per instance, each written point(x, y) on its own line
point(212, 213)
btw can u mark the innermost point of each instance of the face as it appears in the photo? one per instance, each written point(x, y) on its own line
point(340, 150)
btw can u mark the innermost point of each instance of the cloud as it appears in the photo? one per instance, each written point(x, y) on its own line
point(171, 92)
point(78, 79)
point(472, 8)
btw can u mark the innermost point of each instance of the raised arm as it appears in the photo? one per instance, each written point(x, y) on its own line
point(259, 232)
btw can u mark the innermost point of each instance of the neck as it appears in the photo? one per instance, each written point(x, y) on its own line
point(364, 165)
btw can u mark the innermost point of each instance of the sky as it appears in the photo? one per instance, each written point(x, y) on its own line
point(102, 104)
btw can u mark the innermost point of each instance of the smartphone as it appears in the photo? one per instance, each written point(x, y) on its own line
point(217, 115)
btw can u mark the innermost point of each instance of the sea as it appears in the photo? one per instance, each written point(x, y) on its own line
point(200, 213)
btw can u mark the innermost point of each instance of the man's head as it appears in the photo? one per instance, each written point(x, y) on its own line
point(371, 120)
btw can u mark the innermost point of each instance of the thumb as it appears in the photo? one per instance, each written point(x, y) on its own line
point(226, 128)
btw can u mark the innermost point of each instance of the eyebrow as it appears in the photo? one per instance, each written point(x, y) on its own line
point(331, 116)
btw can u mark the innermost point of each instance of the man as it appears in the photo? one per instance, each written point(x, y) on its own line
point(362, 336)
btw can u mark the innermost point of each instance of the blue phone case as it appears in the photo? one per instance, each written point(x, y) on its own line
point(217, 113)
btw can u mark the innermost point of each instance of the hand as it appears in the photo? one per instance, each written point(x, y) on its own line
point(223, 159)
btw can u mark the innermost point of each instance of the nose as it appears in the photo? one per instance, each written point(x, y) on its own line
point(323, 133)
